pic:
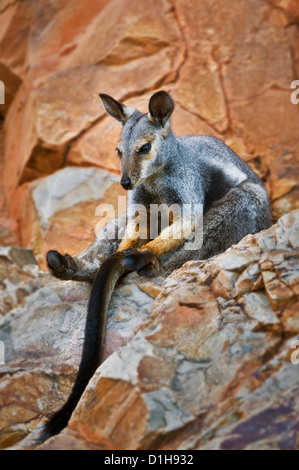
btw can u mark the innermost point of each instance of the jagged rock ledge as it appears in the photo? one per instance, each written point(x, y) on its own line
point(202, 361)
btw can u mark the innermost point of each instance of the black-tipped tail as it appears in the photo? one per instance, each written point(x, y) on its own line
point(101, 292)
point(112, 269)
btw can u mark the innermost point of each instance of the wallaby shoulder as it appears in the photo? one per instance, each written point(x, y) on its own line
point(210, 153)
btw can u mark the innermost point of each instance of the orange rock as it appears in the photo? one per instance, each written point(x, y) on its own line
point(20, 139)
point(15, 23)
point(290, 319)
point(199, 91)
point(227, 80)
point(224, 284)
point(289, 6)
point(9, 232)
point(278, 293)
point(11, 85)
point(59, 98)
point(68, 221)
point(96, 147)
point(56, 47)
point(108, 395)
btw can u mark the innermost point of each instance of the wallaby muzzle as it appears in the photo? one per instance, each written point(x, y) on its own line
point(126, 183)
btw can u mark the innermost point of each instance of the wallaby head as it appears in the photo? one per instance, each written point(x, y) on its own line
point(142, 137)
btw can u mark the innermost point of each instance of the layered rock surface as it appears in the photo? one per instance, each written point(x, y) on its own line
point(60, 211)
point(202, 361)
point(229, 66)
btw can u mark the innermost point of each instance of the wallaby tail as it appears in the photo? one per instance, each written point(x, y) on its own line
point(106, 278)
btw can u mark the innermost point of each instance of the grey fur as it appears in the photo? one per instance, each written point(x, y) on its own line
point(185, 170)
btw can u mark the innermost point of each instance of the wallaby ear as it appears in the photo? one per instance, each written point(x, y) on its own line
point(161, 107)
point(115, 109)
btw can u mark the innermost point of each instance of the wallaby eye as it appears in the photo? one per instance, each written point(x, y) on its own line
point(119, 153)
point(146, 148)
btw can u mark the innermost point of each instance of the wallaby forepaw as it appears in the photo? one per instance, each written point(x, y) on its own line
point(142, 261)
point(152, 266)
point(150, 270)
point(61, 266)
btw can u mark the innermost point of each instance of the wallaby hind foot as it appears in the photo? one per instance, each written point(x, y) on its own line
point(63, 267)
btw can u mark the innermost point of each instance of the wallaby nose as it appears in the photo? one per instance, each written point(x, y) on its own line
point(126, 183)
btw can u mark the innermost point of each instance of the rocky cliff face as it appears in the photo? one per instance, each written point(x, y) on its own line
point(203, 358)
point(228, 65)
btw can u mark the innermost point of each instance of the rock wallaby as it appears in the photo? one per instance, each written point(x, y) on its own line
point(200, 174)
